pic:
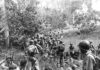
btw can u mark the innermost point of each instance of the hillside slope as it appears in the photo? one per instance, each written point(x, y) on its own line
point(73, 37)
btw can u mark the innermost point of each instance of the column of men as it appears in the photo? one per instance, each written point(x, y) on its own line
point(41, 44)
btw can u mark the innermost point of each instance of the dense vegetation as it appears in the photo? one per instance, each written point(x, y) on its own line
point(26, 18)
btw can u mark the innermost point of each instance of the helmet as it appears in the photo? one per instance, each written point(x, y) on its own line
point(60, 42)
point(9, 58)
point(31, 42)
point(71, 44)
point(85, 45)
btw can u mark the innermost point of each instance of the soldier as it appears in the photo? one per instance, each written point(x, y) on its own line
point(87, 55)
point(71, 50)
point(39, 47)
point(92, 48)
point(99, 46)
point(91, 45)
point(71, 47)
point(31, 51)
point(23, 63)
point(60, 52)
point(9, 65)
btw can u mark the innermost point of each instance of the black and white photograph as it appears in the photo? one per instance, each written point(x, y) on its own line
point(49, 34)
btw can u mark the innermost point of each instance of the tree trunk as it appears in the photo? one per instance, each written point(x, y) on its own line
point(6, 33)
point(4, 24)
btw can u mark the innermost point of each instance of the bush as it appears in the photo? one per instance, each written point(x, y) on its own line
point(87, 30)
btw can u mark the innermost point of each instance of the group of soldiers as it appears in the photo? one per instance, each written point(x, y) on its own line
point(49, 47)
point(42, 45)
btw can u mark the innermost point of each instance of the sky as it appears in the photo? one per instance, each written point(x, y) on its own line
point(56, 4)
point(53, 4)
point(96, 5)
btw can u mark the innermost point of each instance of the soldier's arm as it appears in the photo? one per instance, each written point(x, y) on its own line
point(15, 64)
point(2, 61)
point(39, 46)
point(3, 66)
point(89, 64)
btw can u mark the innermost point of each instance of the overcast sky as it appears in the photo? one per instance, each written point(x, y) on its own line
point(96, 5)
point(56, 4)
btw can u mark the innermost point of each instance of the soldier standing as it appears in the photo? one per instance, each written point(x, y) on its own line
point(87, 55)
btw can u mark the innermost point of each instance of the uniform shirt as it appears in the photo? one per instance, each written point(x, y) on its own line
point(89, 61)
point(61, 47)
point(5, 66)
point(32, 49)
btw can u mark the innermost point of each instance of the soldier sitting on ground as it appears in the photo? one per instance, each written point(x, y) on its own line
point(9, 65)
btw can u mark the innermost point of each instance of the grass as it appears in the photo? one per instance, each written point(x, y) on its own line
point(74, 38)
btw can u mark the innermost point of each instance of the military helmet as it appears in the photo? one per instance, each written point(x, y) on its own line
point(84, 44)
point(31, 42)
point(9, 58)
